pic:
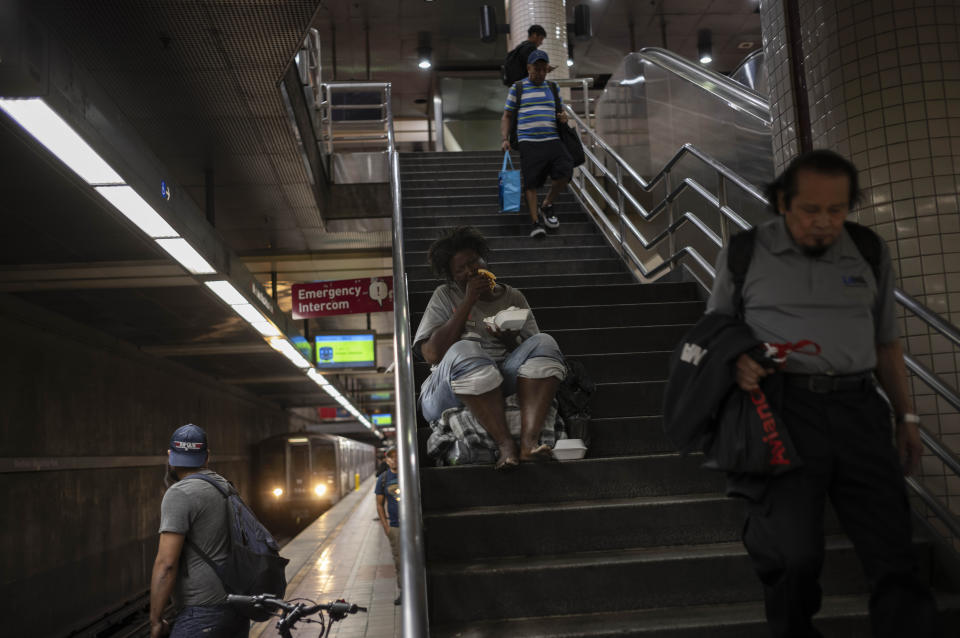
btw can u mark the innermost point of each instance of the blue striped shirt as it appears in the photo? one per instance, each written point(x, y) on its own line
point(537, 115)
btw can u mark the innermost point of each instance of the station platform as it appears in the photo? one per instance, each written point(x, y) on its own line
point(344, 554)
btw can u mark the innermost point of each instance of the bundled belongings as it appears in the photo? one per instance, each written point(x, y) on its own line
point(705, 409)
point(459, 439)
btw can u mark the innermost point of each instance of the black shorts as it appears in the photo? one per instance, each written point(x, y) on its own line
point(540, 159)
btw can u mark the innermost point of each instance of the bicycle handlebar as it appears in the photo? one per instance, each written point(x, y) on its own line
point(338, 608)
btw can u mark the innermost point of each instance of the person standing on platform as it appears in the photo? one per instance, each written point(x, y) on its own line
point(388, 509)
point(534, 117)
point(192, 514)
point(814, 278)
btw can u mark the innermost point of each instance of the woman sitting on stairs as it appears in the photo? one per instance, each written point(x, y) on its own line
point(476, 365)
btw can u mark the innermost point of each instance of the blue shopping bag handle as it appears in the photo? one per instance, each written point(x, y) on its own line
point(506, 159)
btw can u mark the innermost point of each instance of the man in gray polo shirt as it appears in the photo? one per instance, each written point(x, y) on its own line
point(809, 281)
point(196, 510)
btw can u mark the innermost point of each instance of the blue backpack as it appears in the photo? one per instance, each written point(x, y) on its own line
point(253, 565)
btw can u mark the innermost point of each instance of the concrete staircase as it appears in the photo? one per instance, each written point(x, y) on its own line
point(631, 541)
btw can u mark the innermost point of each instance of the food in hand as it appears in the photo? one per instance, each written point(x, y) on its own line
point(491, 278)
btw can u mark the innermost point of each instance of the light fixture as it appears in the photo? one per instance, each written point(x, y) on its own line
point(48, 128)
point(423, 57)
point(288, 350)
point(266, 329)
point(332, 391)
point(278, 492)
point(186, 255)
point(705, 46)
point(569, 61)
point(317, 378)
point(226, 292)
point(301, 439)
point(319, 489)
point(133, 207)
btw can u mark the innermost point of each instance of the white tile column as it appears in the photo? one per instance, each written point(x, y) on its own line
point(552, 16)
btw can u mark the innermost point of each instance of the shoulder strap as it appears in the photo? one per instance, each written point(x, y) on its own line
point(203, 555)
point(868, 243)
point(518, 85)
point(739, 255)
point(554, 89)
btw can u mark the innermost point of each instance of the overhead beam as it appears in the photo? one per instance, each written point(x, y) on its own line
point(93, 276)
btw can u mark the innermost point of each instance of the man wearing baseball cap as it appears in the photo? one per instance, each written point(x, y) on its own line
point(191, 517)
point(530, 118)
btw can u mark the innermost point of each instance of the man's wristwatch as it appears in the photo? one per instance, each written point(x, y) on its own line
point(908, 417)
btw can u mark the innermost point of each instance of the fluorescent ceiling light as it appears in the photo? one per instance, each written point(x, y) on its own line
point(55, 134)
point(288, 350)
point(134, 208)
point(332, 391)
point(179, 249)
point(317, 377)
point(266, 329)
point(226, 292)
point(424, 64)
point(248, 312)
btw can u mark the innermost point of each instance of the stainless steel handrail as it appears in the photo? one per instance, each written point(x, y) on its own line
point(414, 617)
point(745, 99)
point(724, 176)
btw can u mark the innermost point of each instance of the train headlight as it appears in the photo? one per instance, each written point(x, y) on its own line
point(278, 492)
point(320, 489)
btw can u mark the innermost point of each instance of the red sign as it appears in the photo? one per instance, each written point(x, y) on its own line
point(344, 297)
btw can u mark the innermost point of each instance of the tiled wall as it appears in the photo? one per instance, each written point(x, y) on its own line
point(883, 83)
point(552, 16)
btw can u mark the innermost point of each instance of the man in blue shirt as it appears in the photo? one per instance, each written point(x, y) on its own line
point(542, 153)
point(388, 508)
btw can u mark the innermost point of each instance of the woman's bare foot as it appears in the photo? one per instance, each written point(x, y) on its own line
point(508, 456)
point(539, 453)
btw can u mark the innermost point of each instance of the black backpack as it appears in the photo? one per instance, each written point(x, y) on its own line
point(573, 400)
point(740, 253)
point(515, 64)
point(254, 565)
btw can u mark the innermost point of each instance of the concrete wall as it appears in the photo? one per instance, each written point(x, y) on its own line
point(76, 542)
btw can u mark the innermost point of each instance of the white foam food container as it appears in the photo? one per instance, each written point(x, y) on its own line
point(569, 449)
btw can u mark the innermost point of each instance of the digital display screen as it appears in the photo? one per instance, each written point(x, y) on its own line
point(382, 419)
point(304, 346)
point(346, 351)
point(380, 396)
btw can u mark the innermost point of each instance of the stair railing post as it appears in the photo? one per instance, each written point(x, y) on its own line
point(620, 205)
point(721, 204)
point(668, 187)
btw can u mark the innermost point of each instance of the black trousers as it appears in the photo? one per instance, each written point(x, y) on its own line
point(845, 442)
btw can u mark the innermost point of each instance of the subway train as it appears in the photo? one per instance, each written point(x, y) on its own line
point(298, 476)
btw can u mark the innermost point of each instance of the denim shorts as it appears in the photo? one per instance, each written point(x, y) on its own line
point(215, 621)
point(436, 394)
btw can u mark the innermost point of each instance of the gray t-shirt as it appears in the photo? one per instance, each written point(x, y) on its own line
point(833, 300)
point(198, 510)
point(444, 302)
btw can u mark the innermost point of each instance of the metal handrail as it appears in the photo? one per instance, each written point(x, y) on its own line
point(326, 107)
point(414, 617)
point(721, 86)
point(679, 256)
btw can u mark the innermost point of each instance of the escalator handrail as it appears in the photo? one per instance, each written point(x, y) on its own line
point(736, 94)
point(744, 62)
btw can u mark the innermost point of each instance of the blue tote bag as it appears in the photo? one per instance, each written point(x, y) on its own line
point(510, 195)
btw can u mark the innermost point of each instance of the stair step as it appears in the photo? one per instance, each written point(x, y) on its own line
point(617, 580)
point(599, 294)
point(627, 436)
point(601, 368)
point(484, 185)
point(514, 268)
point(534, 251)
point(581, 526)
point(523, 283)
point(479, 206)
point(586, 479)
point(839, 617)
point(509, 242)
point(489, 222)
point(614, 340)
